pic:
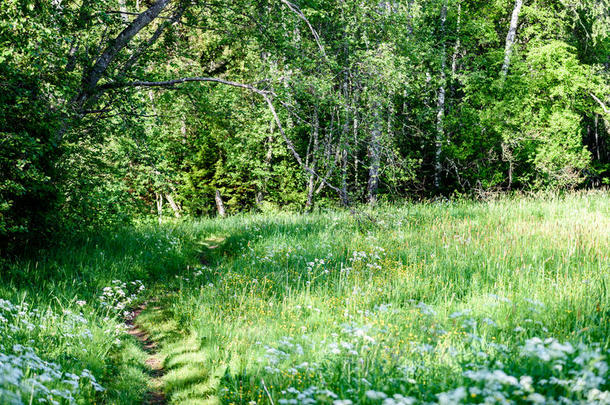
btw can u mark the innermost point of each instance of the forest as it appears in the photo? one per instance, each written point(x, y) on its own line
point(304, 201)
point(114, 109)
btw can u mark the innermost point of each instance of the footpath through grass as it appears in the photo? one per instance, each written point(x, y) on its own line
point(498, 302)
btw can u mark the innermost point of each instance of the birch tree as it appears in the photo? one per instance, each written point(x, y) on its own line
point(511, 36)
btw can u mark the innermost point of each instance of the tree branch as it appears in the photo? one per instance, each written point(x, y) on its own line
point(291, 147)
point(295, 9)
point(266, 94)
point(153, 38)
point(601, 103)
point(174, 82)
point(92, 76)
point(126, 13)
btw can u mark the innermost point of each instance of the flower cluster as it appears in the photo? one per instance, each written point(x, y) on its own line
point(369, 260)
point(21, 322)
point(535, 370)
point(25, 377)
point(120, 295)
point(31, 338)
point(561, 373)
point(309, 396)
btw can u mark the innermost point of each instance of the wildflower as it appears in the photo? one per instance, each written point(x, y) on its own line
point(536, 398)
point(602, 397)
point(548, 350)
point(398, 399)
point(500, 298)
point(425, 309)
point(375, 395)
point(452, 397)
point(458, 314)
point(526, 383)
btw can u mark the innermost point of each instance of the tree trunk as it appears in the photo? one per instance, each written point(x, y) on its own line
point(123, 9)
point(355, 132)
point(343, 194)
point(374, 156)
point(310, 191)
point(510, 37)
point(220, 205)
point(311, 182)
point(440, 105)
point(456, 49)
point(72, 56)
point(510, 41)
point(260, 195)
point(507, 155)
point(159, 203)
point(344, 140)
point(597, 137)
point(183, 131)
point(172, 203)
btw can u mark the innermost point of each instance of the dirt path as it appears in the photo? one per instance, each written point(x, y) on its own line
point(154, 360)
point(155, 395)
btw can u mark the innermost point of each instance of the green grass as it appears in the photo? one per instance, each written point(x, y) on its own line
point(428, 303)
point(52, 305)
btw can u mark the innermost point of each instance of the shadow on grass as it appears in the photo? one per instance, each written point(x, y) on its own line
point(189, 377)
point(82, 267)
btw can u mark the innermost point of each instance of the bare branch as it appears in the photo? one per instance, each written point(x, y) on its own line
point(266, 94)
point(294, 8)
point(291, 147)
point(174, 82)
point(601, 103)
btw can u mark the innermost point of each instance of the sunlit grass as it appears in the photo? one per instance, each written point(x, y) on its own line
point(287, 290)
point(65, 305)
point(329, 306)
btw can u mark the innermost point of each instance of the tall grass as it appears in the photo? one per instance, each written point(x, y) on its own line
point(406, 305)
point(443, 302)
point(62, 314)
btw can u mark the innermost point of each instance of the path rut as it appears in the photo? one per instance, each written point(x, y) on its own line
point(155, 395)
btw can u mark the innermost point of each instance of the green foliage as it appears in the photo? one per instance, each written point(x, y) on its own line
point(27, 193)
point(46, 186)
point(62, 314)
point(543, 102)
point(356, 86)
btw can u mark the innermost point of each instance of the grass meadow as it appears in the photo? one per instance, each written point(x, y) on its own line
point(504, 301)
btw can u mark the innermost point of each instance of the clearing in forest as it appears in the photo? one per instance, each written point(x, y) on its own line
point(449, 302)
